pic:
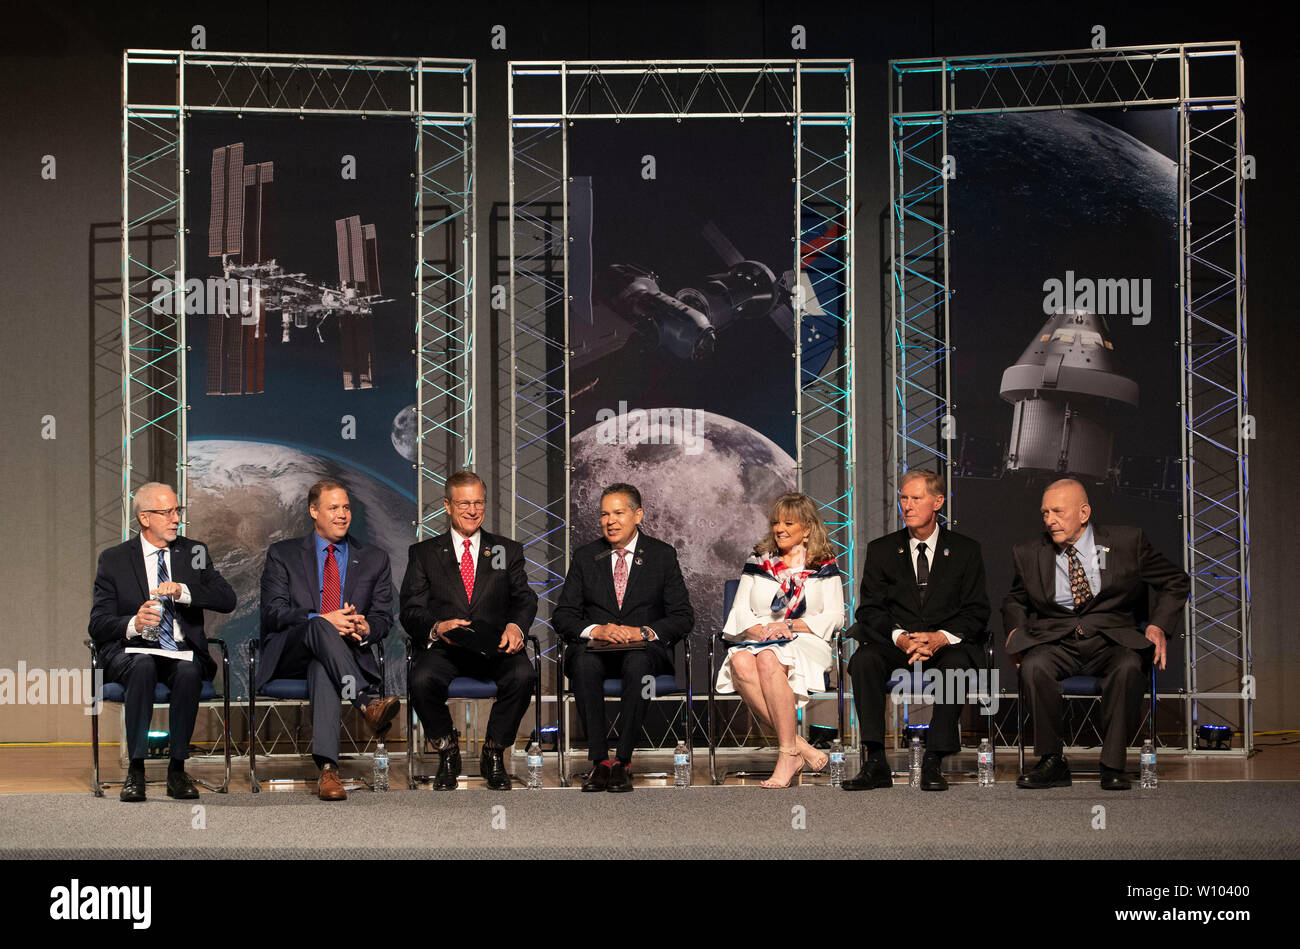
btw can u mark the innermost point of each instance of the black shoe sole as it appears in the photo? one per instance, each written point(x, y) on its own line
point(192, 796)
point(1021, 783)
point(935, 787)
point(131, 800)
point(621, 789)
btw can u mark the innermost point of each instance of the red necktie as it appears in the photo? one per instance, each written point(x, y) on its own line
point(467, 572)
point(329, 597)
point(620, 575)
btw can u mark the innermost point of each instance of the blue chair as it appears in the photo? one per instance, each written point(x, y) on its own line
point(115, 693)
point(1082, 687)
point(675, 687)
point(715, 663)
point(464, 687)
point(288, 690)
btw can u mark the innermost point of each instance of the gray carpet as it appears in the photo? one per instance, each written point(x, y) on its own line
point(1243, 820)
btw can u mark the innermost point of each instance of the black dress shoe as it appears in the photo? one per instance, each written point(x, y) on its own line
point(620, 778)
point(873, 774)
point(1112, 780)
point(180, 786)
point(492, 765)
point(598, 780)
point(1052, 771)
point(932, 778)
point(448, 766)
point(132, 787)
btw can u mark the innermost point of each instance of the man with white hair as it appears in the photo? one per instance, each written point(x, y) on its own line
point(1075, 606)
point(157, 581)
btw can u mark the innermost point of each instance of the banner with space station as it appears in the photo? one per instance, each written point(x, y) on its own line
point(1065, 323)
point(301, 323)
point(682, 374)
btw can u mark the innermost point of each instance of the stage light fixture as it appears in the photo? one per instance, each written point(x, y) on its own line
point(1213, 737)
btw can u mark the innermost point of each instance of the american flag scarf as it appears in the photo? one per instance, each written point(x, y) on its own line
point(788, 603)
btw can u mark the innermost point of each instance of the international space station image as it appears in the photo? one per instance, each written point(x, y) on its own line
point(241, 233)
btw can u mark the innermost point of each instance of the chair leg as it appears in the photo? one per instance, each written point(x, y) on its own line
point(252, 736)
point(95, 786)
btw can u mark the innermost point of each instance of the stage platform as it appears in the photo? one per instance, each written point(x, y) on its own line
point(1215, 818)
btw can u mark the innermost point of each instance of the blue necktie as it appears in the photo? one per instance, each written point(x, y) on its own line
point(165, 639)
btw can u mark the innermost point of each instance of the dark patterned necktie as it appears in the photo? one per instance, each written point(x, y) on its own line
point(922, 569)
point(165, 638)
point(331, 589)
point(620, 575)
point(1078, 579)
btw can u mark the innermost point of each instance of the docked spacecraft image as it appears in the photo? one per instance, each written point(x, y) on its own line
point(1066, 395)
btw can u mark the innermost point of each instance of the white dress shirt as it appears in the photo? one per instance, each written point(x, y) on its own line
point(630, 547)
point(151, 574)
point(914, 546)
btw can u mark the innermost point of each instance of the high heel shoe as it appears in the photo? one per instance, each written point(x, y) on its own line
point(820, 767)
point(794, 753)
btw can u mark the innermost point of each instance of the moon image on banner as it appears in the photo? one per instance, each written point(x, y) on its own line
point(404, 433)
point(707, 495)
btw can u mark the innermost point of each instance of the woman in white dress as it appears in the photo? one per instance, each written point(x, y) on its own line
point(788, 607)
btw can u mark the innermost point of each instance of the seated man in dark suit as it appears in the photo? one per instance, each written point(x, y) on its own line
point(461, 577)
point(326, 598)
point(923, 600)
point(622, 588)
point(1072, 610)
point(157, 562)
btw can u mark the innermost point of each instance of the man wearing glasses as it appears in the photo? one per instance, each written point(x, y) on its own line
point(468, 578)
point(150, 592)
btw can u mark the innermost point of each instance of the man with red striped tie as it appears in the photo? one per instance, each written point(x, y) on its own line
point(326, 598)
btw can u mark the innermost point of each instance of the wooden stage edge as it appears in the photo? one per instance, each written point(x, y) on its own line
point(64, 768)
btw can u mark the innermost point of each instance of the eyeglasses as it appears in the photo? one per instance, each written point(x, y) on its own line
point(469, 505)
point(169, 513)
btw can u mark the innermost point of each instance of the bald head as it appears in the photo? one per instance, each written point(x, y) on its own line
point(1065, 510)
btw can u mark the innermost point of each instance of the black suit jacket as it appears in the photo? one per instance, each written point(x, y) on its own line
point(655, 595)
point(290, 593)
point(122, 587)
point(955, 600)
point(432, 589)
point(1136, 582)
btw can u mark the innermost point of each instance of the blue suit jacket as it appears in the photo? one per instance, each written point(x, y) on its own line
point(290, 595)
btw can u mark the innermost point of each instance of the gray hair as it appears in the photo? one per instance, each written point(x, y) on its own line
point(148, 489)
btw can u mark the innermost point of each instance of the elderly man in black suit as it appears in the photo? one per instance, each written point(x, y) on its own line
point(1073, 609)
point(326, 598)
point(157, 562)
point(468, 576)
point(923, 601)
point(625, 587)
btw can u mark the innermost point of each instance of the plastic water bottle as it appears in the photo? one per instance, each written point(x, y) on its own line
point(914, 764)
point(154, 631)
point(836, 767)
point(681, 766)
point(381, 767)
point(986, 763)
point(1148, 765)
point(534, 765)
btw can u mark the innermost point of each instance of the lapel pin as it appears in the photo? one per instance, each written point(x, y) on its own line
point(638, 561)
point(900, 550)
point(945, 551)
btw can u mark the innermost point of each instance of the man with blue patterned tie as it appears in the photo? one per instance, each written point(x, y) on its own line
point(151, 591)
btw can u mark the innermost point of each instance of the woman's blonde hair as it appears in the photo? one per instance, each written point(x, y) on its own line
point(801, 509)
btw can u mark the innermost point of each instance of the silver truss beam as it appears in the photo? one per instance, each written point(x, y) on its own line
point(437, 95)
point(1217, 653)
point(545, 99)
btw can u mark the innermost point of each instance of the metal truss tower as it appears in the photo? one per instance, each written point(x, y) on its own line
point(546, 100)
point(160, 90)
point(1205, 83)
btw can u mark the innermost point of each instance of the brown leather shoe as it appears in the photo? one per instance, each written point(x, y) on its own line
point(380, 712)
point(330, 786)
